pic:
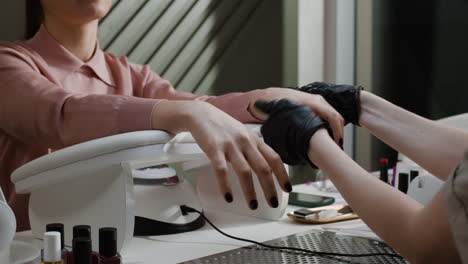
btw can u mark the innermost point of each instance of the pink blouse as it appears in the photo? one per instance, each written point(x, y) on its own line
point(50, 100)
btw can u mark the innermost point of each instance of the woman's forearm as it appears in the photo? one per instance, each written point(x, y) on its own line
point(396, 218)
point(384, 209)
point(421, 234)
point(434, 146)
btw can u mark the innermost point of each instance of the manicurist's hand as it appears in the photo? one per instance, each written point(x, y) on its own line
point(344, 98)
point(315, 102)
point(289, 128)
point(224, 139)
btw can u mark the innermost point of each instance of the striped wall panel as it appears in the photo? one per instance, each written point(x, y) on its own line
point(182, 40)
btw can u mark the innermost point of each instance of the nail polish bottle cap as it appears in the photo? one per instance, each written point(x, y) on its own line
point(82, 252)
point(108, 241)
point(82, 231)
point(57, 227)
point(52, 250)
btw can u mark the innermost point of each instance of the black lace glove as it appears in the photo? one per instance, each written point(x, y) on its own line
point(289, 128)
point(344, 98)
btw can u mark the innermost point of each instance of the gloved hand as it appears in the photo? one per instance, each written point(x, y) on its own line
point(289, 128)
point(344, 98)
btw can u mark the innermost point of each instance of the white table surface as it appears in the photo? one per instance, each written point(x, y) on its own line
point(206, 241)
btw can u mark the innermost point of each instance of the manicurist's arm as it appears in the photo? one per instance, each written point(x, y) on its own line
point(434, 146)
point(421, 234)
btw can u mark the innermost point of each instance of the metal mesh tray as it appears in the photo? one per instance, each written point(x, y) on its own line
point(312, 240)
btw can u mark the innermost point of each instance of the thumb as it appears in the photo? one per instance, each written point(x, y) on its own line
point(265, 107)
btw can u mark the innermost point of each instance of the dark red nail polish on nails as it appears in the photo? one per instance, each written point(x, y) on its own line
point(288, 187)
point(228, 197)
point(274, 201)
point(253, 204)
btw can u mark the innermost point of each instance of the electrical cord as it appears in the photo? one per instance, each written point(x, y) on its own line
point(187, 209)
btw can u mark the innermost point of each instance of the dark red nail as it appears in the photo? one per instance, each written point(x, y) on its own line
point(288, 187)
point(274, 201)
point(228, 197)
point(253, 204)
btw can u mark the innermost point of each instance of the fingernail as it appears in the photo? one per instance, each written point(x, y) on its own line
point(274, 201)
point(288, 187)
point(228, 197)
point(253, 204)
point(341, 143)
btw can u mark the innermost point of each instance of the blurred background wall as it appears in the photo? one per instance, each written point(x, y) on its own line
point(12, 20)
point(413, 53)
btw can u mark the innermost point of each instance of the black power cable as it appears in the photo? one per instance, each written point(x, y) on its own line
point(187, 209)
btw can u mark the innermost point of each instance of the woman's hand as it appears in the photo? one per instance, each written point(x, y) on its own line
point(224, 139)
point(315, 102)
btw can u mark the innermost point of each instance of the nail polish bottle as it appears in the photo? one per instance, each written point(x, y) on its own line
point(58, 227)
point(413, 174)
point(52, 251)
point(82, 231)
point(82, 253)
point(403, 179)
point(384, 170)
point(108, 246)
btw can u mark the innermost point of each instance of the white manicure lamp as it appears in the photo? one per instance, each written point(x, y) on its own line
point(126, 181)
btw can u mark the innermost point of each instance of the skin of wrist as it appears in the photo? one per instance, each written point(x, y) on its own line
point(319, 143)
point(367, 100)
point(363, 100)
point(174, 116)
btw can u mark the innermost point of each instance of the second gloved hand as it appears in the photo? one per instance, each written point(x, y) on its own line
point(289, 128)
point(344, 98)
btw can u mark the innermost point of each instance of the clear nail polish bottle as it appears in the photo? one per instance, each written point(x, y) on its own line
point(52, 252)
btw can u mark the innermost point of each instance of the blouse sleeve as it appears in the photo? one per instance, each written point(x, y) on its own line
point(455, 193)
point(153, 86)
point(36, 110)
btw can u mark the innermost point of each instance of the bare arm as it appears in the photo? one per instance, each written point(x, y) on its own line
point(420, 234)
point(434, 146)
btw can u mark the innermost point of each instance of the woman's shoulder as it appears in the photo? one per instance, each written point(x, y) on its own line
point(17, 47)
point(18, 53)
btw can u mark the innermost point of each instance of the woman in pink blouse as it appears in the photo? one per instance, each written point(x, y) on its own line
point(59, 88)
